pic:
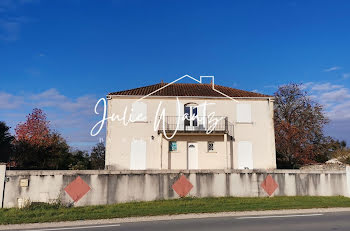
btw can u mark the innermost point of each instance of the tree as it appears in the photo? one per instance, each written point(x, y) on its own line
point(299, 123)
point(5, 142)
point(58, 152)
point(79, 160)
point(341, 152)
point(37, 146)
point(36, 130)
point(98, 156)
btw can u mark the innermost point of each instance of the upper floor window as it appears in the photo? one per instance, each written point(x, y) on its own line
point(244, 113)
point(139, 112)
point(191, 112)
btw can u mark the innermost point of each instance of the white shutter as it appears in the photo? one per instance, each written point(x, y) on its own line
point(244, 114)
point(139, 111)
point(245, 155)
point(180, 112)
point(201, 110)
point(138, 155)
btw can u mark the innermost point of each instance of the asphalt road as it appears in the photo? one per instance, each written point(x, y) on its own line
point(336, 221)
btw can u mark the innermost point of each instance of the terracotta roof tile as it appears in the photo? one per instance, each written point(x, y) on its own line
point(188, 89)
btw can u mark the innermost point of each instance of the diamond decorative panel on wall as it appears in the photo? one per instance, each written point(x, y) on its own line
point(182, 186)
point(77, 189)
point(269, 185)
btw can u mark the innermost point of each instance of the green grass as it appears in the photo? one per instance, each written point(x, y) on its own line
point(49, 213)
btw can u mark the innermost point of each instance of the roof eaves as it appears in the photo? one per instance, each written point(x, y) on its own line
point(204, 97)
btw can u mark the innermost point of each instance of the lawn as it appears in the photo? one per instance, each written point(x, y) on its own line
point(50, 213)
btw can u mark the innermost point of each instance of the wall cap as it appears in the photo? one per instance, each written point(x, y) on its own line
point(138, 172)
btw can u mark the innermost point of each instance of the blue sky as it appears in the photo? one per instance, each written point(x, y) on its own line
point(62, 55)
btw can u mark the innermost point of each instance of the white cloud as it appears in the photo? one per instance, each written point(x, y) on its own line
point(322, 86)
point(337, 96)
point(9, 101)
point(52, 98)
point(336, 99)
point(332, 69)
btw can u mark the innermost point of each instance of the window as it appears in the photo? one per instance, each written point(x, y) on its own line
point(244, 114)
point(172, 146)
point(139, 112)
point(191, 115)
point(210, 146)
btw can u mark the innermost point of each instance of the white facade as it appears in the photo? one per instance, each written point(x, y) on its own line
point(243, 138)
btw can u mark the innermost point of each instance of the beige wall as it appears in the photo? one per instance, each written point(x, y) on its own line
point(206, 160)
point(260, 133)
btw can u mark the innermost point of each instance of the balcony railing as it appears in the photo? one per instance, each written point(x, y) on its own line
point(196, 124)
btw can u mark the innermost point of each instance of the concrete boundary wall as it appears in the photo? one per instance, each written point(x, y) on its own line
point(110, 187)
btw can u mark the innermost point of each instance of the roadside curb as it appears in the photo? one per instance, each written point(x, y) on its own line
point(169, 217)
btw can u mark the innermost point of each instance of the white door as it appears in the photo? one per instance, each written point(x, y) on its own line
point(245, 155)
point(138, 155)
point(192, 153)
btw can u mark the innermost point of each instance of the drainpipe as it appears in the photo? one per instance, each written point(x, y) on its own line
point(2, 183)
point(161, 151)
point(226, 153)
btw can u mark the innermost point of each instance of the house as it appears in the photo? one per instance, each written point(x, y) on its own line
point(189, 126)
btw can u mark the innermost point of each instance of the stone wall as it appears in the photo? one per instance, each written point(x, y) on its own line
point(109, 187)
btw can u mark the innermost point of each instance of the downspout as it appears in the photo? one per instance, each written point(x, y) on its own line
point(272, 131)
point(226, 153)
point(161, 151)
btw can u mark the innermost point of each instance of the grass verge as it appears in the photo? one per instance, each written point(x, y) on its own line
point(51, 213)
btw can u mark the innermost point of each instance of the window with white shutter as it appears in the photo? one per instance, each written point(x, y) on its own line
point(244, 113)
point(139, 112)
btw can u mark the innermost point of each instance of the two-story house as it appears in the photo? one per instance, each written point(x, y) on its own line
point(189, 126)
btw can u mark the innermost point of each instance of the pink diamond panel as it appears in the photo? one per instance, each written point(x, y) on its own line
point(182, 186)
point(77, 189)
point(269, 185)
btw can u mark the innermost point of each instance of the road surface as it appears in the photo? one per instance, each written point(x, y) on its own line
point(337, 221)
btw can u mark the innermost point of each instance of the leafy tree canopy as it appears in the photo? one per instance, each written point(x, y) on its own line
point(299, 123)
point(5, 142)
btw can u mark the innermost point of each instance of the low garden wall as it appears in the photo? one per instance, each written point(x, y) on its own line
point(92, 187)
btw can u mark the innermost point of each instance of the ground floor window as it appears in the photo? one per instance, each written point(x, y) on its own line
point(210, 146)
point(172, 146)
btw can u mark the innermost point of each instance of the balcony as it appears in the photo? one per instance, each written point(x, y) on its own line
point(196, 124)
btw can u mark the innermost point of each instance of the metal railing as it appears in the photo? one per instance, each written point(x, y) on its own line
point(208, 124)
